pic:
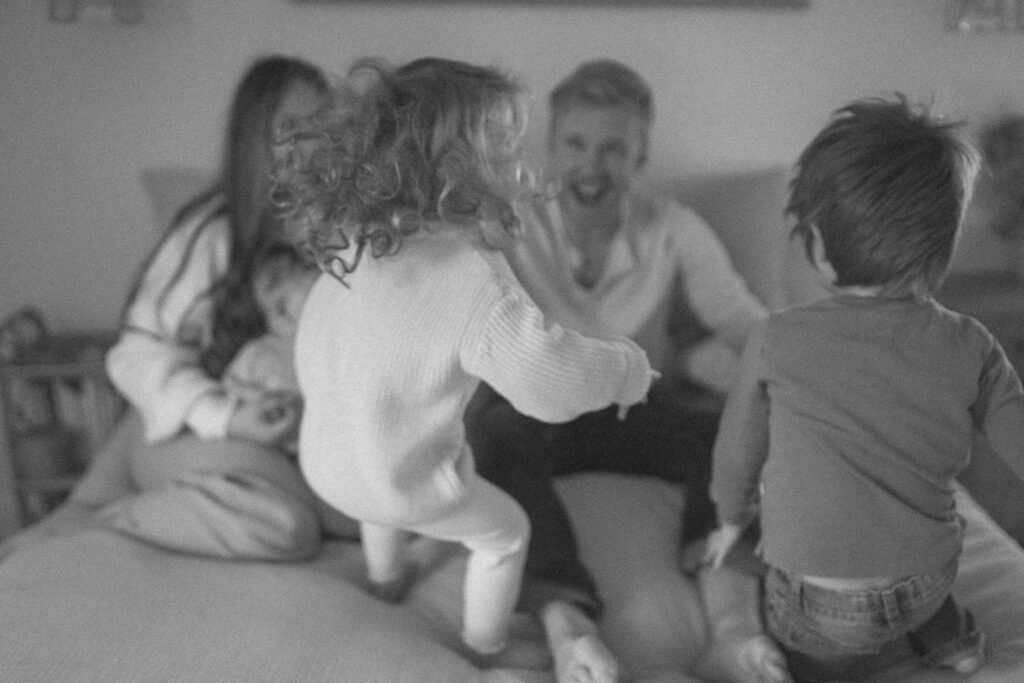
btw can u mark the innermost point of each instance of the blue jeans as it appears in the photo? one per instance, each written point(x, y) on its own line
point(848, 634)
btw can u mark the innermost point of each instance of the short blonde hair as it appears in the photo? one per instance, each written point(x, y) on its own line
point(605, 83)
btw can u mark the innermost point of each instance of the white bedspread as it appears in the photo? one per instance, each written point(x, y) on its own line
point(93, 606)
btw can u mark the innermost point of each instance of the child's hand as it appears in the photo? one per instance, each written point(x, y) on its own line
point(270, 418)
point(720, 542)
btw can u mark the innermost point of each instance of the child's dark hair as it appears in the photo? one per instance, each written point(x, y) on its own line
point(244, 184)
point(419, 144)
point(886, 185)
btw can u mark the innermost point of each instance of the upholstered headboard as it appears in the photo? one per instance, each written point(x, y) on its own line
point(744, 208)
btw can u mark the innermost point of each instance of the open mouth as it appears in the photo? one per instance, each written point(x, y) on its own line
point(589, 191)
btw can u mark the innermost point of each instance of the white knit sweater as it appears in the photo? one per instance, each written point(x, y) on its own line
point(388, 364)
point(155, 364)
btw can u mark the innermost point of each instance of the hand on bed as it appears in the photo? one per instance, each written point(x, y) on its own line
point(270, 418)
point(720, 542)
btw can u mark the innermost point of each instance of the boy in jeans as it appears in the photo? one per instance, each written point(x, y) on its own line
point(853, 414)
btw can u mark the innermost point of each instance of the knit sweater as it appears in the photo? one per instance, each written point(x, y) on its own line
point(870, 408)
point(388, 363)
point(155, 364)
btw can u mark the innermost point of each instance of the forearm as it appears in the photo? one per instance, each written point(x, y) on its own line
point(166, 385)
point(741, 446)
point(717, 294)
point(552, 373)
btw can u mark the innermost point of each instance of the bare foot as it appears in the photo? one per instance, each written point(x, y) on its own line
point(580, 654)
point(743, 660)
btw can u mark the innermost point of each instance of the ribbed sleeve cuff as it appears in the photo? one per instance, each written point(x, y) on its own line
point(638, 379)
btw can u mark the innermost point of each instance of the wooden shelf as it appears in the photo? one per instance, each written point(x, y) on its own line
point(40, 452)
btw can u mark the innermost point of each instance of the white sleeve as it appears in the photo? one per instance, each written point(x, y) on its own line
point(158, 373)
point(715, 291)
point(547, 371)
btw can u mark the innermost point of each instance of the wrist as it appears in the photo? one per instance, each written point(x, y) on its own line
point(210, 415)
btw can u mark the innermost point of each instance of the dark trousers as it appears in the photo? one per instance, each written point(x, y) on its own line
point(662, 437)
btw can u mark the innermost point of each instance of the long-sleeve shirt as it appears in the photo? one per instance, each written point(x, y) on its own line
point(663, 261)
point(855, 414)
point(387, 365)
point(155, 364)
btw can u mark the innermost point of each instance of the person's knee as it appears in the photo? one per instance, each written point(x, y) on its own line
point(510, 539)
point(517, 537)
point(279, 524)
point(292, 531)
point(508, 447)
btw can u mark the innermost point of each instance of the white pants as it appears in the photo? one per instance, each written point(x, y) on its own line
point(495, 530)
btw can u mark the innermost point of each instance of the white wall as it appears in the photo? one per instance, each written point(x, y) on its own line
point(85, 106)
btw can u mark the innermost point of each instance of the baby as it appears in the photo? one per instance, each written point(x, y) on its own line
point(266, 363)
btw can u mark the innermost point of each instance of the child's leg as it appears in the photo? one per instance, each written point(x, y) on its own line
point(495, 530)
point(830, 634)
point(386, 568)
point(950, 639)
point(514, 452)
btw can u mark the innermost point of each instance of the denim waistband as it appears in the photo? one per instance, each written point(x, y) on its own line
point(912, 588)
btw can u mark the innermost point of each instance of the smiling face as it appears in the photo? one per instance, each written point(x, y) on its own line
point(596, 152)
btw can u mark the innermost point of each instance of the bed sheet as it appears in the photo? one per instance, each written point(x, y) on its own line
point(90, 605)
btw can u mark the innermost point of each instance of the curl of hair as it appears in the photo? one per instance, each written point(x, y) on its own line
point(432, 142)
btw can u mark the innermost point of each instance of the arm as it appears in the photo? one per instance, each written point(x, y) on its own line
point(538, 265)
point(155, 364)
point(716, 293)
point(740, 449)
point(546, 371)
point(999, 411)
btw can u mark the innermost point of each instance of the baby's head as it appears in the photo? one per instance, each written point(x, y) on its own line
point(280, 285)
point(884, 187)
point(433, 140)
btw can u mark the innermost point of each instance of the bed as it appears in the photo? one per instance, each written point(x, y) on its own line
point(86, 604)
